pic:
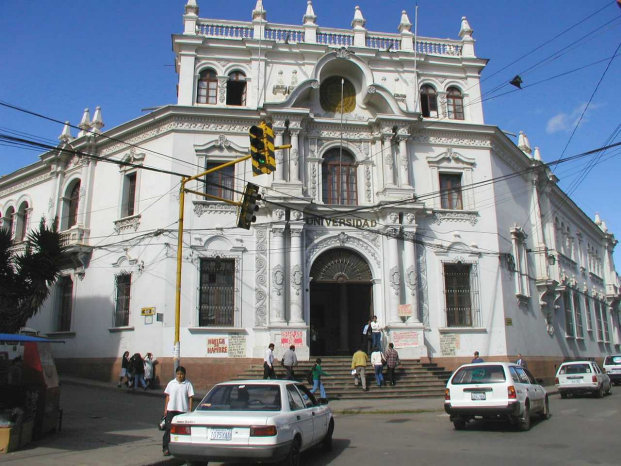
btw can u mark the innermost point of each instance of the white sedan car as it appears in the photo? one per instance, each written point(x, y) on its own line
point(579, 377)
point(252, 420)
point(494, 390)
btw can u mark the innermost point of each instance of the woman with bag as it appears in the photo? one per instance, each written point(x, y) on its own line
point(377, 361)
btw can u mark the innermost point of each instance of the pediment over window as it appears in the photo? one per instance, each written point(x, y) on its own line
point(450, 157)
point(220, 146)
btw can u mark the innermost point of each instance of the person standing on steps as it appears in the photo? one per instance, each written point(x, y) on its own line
point(377, 361)
point(317, 383)
point(376, 330)
point(289, 361)
point(359, 362)
point(268, 363)
point(179, 393)
point(367, 337)
point(392, 361)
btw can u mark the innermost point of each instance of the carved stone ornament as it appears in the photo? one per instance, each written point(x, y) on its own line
point(393, 217)
point(410, 219)
point(410, 279)
point(261, 278)
point(371, 90)
point(368, 183)
point(278, 280)
point(344, 53)
point(395, 279)
point(126, 224)
point(297, 215)
point(314, 248)
point(222, 81)
point(296, 279)
point(455, 216)
point(278, 214)
point(211, 207)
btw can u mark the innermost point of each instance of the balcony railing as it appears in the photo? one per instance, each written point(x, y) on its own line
point(75, 236)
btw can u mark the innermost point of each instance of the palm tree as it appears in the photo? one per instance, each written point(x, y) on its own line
point(26, 279)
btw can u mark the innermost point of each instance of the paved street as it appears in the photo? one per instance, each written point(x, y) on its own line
point(103, 425)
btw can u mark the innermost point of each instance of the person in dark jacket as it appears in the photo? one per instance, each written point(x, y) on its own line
point(138, 368)
point(124, 369)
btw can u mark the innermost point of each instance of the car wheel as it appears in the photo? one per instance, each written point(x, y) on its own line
point(524, 421)
point(609, 392)
point(459, 424)
point(545, 414)
point(293, 458)
point(600, 391)
point(563, 395)
point(326, 443)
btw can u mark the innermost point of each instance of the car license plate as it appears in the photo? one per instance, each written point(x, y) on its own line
point(477, 396)
point(576, 380)
point(220, 434)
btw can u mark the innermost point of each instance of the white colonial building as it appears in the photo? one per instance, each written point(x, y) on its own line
point(396, 199)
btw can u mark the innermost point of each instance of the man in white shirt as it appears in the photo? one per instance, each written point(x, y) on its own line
point(377, 333)
point(179, 393)
point(268, 363)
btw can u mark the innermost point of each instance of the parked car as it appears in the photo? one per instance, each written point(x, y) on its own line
point(252, 420)
point(580, 377)
point(612, 367)
point(494, 390)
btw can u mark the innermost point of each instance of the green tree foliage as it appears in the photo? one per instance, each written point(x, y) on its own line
point(26, 278)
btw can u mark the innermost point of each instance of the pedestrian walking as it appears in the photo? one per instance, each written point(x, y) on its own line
point(149, 369)
point(289, 361)
point(520, 361)
point(392, 361)
point(376, 330)
point(377, 361)
point(477, 358)
point(359, 362)
point(124, 370)
point(317, 383)
point(179, 393)
point(367, 337)
point(268, 363)
point(137, 364)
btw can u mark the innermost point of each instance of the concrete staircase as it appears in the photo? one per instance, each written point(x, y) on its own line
point(413, 379)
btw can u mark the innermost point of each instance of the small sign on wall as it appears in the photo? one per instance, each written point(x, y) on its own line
point(291, 337)
point(405, 338)
point(217, 346)
point(147, 311)
point(405, 310)
point(508, 321)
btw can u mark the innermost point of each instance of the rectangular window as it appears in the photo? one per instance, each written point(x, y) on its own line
point(578, 316)
point(600, 322)
point(220, 183)
point(65, 304)
point(123, 290)
point(450, 191)
point(569, 314)
point(217, 292)
point(605, 321)
point(129, 195)
point(587, 310)
point(458, 295)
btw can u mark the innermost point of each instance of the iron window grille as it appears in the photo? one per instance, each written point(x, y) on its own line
point(123, 295)
point(217, 292)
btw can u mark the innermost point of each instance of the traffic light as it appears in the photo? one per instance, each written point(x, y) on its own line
point(248, 206)
point(257, 150)
point(268, 143)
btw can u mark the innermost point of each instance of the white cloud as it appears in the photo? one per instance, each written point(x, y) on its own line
point(567, 121)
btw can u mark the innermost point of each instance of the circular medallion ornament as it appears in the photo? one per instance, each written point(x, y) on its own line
point(331, 93)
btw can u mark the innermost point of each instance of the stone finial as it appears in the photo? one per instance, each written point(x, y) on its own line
point(537, 154)
point(191, 8)
point(65, 136)
point(259, 13)
point(598, 220)
point(310, 17)
point(97, 122)
point(466, 31)
point(604, 227)
point(358, 21)
point(405, 25)
point(85, 123)
point(524, 144)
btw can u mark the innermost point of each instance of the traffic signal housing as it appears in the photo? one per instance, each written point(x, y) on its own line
point(257, 150)
point(248, 206)
point(268, 143)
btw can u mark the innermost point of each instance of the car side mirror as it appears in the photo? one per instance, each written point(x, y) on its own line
point(323, 401)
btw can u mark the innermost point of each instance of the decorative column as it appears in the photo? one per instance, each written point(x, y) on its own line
point(294, 156)
point(389, 169)
point(403, 160)
point(280, 166)
point(410, 270)
point(296, 255)
point(277, 286)
point(394, 273)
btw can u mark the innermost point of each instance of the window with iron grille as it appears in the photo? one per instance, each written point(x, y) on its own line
point(217, 292)
point(72, 205)
point(587, 310)
point(458, 290)
point(340, 185)
point(129, 195)
point(569, 314)
point(455, 104)
point(65, 304)
point(578, 316)
point(220, 183)
point(428, 101)
point(207, 92)
point(605, 321)
point(600, 322)
point(123, 293)
point(450, 191)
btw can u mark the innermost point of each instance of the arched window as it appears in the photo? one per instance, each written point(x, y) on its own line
point(207, 92)
point(428, 101)
point(9, 221)
point(339, 178)
point(455, 104)
point(21, 224)
point(71, 203)
point(236, 89)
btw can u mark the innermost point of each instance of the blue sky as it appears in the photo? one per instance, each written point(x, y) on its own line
point(60, 57)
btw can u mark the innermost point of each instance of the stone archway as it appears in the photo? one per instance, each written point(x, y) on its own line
point(341, 301)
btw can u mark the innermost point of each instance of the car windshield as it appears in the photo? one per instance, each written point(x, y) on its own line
point(612, 360)
point(242, 397)
point(479, 374)
point(575, 369)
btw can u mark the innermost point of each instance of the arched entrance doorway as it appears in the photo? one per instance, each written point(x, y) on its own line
point(341, 301)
